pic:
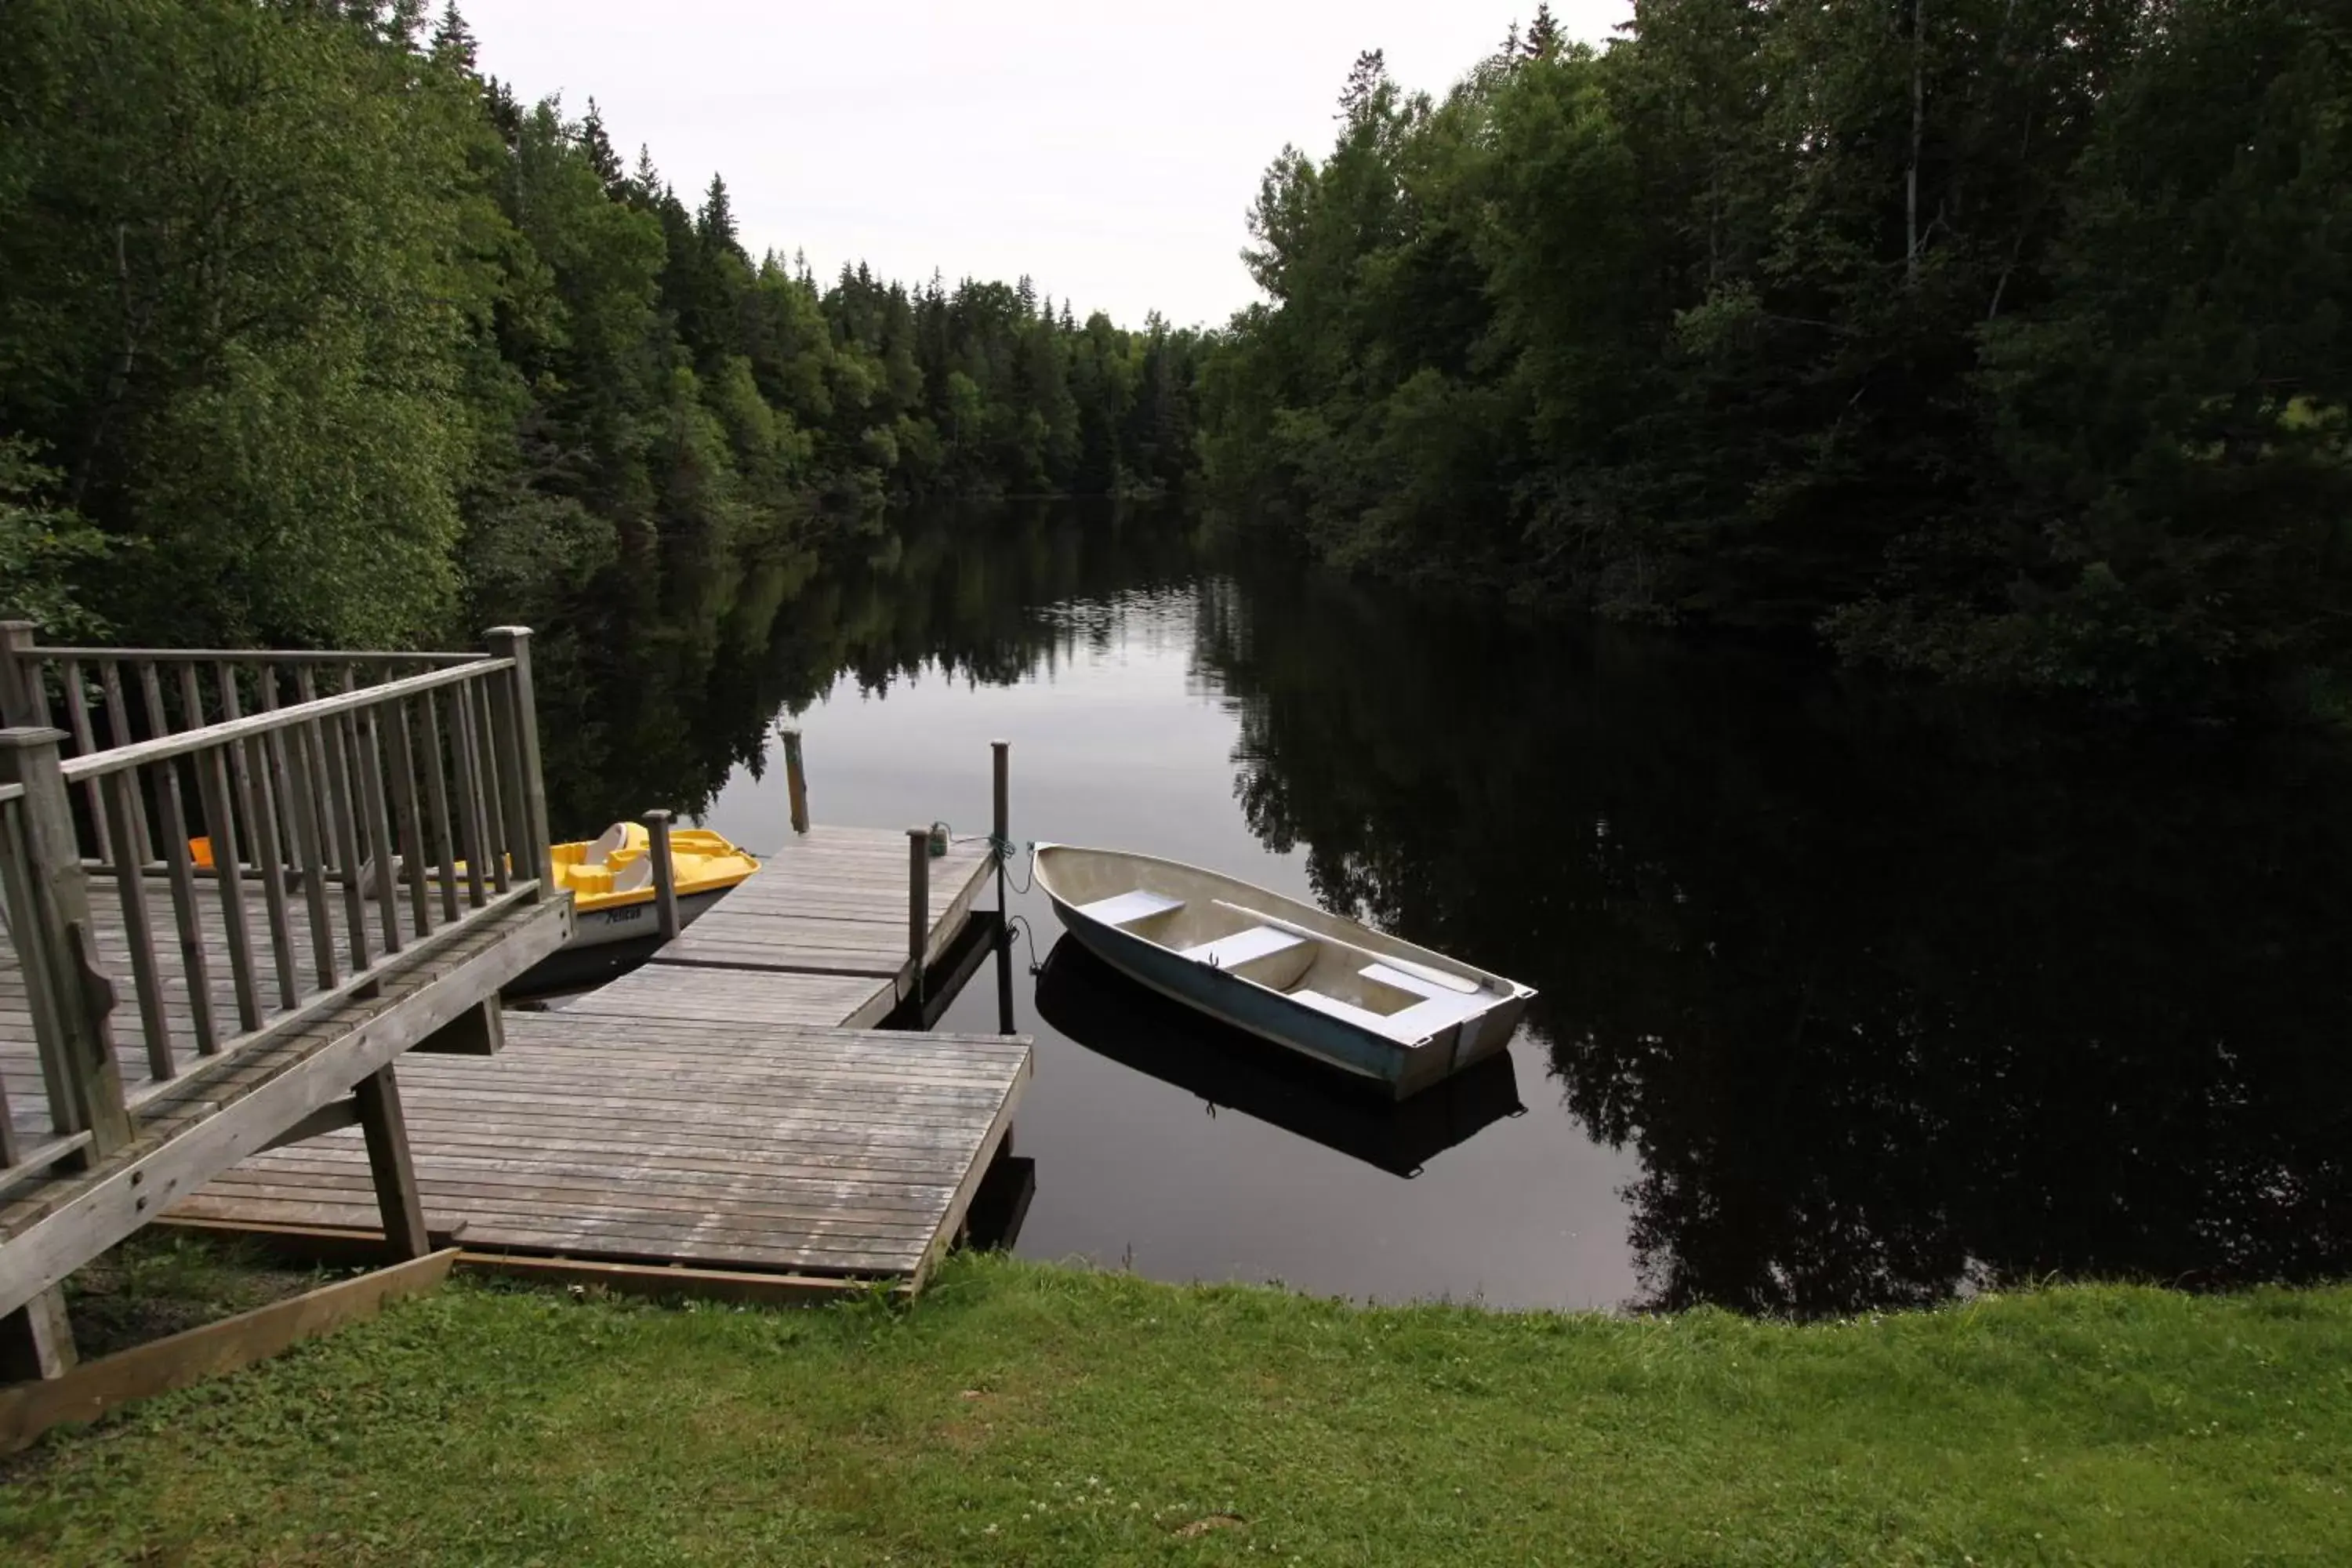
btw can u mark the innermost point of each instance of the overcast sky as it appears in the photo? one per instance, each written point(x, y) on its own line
point(1108, 150)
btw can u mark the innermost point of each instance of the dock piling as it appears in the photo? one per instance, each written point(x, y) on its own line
point(1001, 825)
point(795, 778)
point(918, 902)
point(1000, 846)
point(665, 874)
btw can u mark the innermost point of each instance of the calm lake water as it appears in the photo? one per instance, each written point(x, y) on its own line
point(1850, 994)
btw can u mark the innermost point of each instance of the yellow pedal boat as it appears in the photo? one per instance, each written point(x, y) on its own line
point(611, 879)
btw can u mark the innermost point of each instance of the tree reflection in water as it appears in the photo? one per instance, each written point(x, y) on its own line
point(1891, 994)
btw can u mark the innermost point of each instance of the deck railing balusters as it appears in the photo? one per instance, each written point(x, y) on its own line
point(257, 792)
point(118, 725)
point(409, 820)
point(228, 856)
point(16, 907)
point(220, 828)
point(121, 791)
point(327, 790)
point(78, 717)
point(187, 909)
point(471, 815)
point(367, 746)
point(486, 774)
point(289, 754)
point(437, 793)
point(343, 815)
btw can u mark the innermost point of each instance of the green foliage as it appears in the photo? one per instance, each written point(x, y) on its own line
point(40, 546)
point(230, 247)
point(1027, 1413)
point(2000, 339)
point(331, 341)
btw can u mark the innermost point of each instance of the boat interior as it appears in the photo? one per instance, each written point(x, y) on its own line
point(1401, 999)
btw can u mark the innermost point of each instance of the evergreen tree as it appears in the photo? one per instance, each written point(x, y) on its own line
point(453, 41)
point(716, 220)
point(1543, 40)
point(598, 147)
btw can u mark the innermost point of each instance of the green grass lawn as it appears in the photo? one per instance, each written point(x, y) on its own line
point(1025, 1414)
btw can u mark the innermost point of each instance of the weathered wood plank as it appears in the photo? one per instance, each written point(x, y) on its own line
point(197, 1129)
point(95, 1387)
point(613, 1136)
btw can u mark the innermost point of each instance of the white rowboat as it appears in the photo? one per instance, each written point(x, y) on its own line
point(1328, 988)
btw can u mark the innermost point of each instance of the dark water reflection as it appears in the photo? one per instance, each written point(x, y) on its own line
point(1849, 998)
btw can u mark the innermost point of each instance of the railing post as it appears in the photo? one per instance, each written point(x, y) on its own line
point(68, 995)
point(514, 642)
point(665, 874)
point(22, 704)
point(795, 778)
point(918, 902)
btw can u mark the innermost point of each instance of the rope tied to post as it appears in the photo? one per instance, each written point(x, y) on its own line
point(1003, 850)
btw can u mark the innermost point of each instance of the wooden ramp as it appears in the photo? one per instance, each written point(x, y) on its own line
point(614, 1137)
point(723, 1108)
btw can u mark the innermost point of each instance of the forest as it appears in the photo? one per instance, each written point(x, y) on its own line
point(311, 334)
point(1998, 341)
point(2001, 341)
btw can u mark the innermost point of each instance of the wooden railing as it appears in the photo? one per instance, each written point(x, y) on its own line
point(300, 824)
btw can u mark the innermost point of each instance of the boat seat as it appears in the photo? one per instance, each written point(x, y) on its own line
point(1420, 983)
point(1232, 951)
point(1126, 908)
point(1362, 1017)
point(1440, 1007)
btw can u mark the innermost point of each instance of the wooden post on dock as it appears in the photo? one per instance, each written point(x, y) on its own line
point(1001, 822)
point(796, 778)
point(1000, 843)
point(918, 902)
point(514, 704)
point(67, 995)
point(665, 919)
point(22, 701)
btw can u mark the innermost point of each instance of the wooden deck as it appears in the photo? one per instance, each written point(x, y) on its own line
point(722, 1107)
point(195, 1126)
point(20, 1067)
point(621, 1138)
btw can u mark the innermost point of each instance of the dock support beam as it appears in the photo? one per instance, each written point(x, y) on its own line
point(665, 919)
point(795, 778)
point(36, 1339)
point(918, 903)
point(476, 1032)
point(397, 1194)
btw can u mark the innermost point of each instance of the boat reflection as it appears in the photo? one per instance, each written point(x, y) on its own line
point(1099, 1008)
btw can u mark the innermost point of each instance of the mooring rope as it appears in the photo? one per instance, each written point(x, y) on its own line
point(1001, 850)
point(1021, 923)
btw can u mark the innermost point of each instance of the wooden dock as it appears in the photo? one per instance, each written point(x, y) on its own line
point(724, 1109)
point(833, 906)
point(237, 887)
